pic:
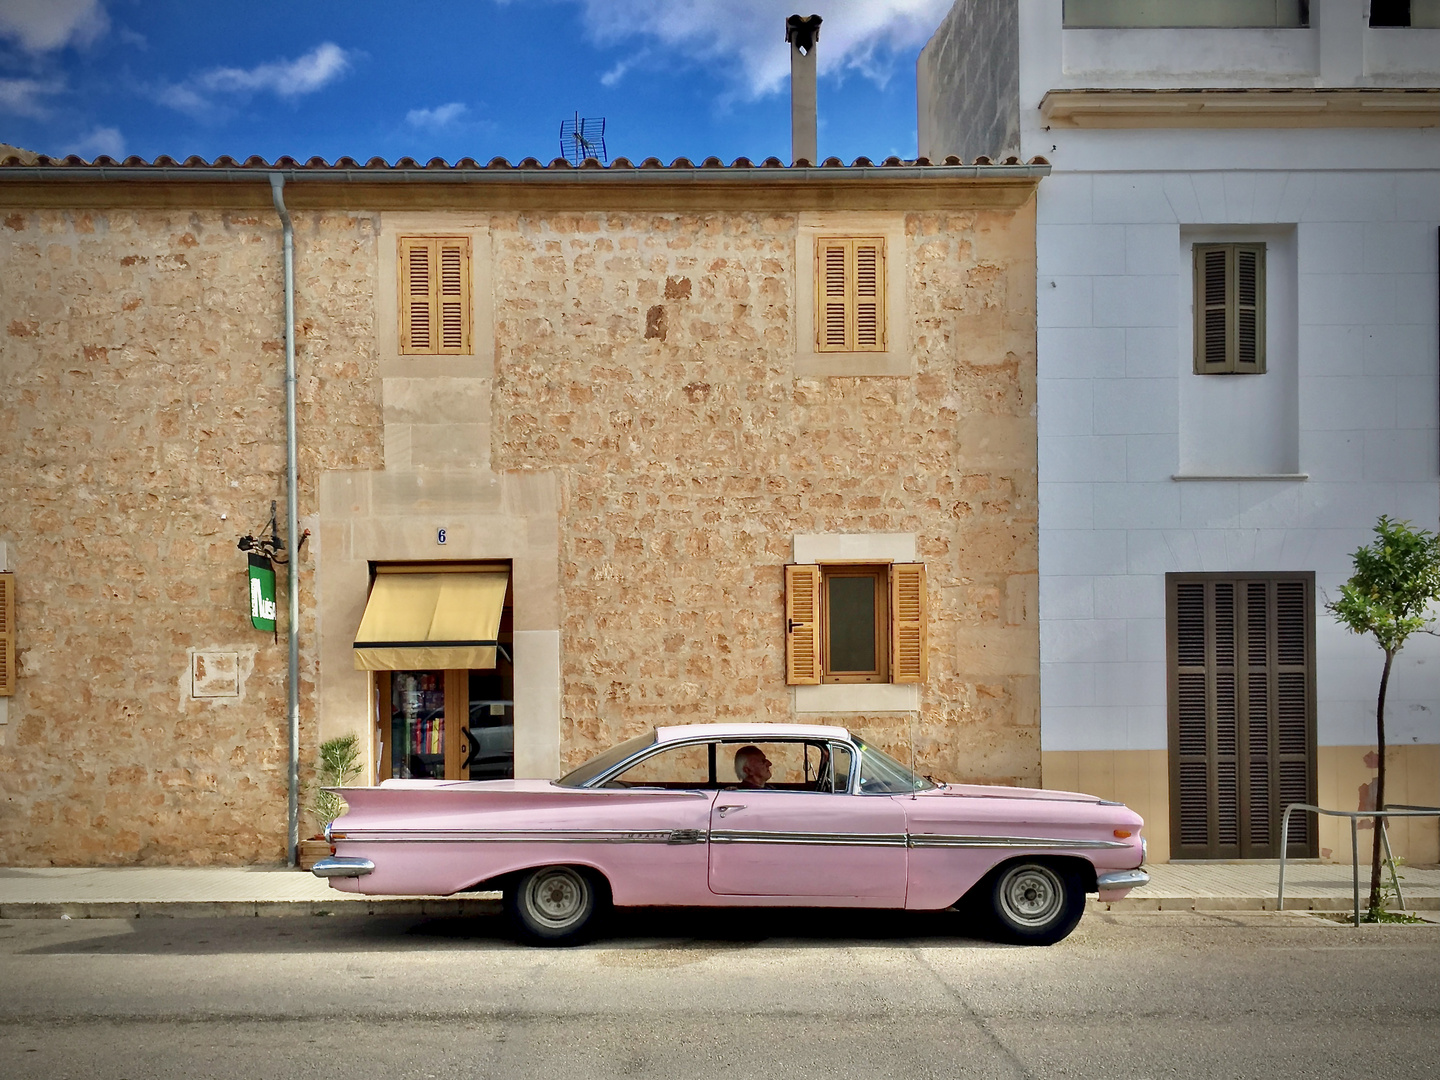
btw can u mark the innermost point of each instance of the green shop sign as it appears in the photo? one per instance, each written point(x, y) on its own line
point(262, 593)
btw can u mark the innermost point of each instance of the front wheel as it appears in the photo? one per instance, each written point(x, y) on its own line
point(1035, 903)
point(554, 905)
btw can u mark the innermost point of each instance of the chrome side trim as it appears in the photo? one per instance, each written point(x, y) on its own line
point(342, 866)
point(940, 840)
point(1122, 879)
point(466, 836)
point(748, 836)
point(720, 836)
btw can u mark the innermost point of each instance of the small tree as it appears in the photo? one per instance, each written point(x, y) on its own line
point(339, 764)
point(1396, 580)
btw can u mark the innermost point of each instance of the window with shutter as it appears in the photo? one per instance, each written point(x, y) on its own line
point(850, 294)
point(855, 623)
point(1229, 309)
point(7, 634)
point(1242, 708)
point(435, 312)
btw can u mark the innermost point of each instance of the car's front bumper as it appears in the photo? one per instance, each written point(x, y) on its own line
point(342, 866)
point(1114, 885)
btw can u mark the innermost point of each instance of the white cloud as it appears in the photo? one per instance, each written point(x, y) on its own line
point(315, 70)
point(318, 68)
point(103, 140)
point(22, 97)
point(442, 116)
point(856, 34)
point(43, 25)
point(182, 99)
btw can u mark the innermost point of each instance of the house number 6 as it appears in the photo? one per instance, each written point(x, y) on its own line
point(440, 536)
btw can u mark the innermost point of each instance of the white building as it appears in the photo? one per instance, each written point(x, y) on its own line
point(1199, 501)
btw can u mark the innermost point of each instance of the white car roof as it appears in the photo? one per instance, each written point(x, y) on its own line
point(754, 732)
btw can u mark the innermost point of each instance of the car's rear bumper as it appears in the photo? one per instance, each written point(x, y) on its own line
point(342, 866)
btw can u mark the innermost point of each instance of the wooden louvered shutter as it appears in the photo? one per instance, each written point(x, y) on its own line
point(1212, 309)
point(1229, 309)
point(909, 652)
point(802, 625)
point(1205, 820)
point(453, 295)
point(1259, 752)
point(417, 299)
point(1294, 711)
point(1249, 309)
point(869, 296)
point(832, 296)
point(7, 634)
point(1241, 708)
point(435, 295)
point(850, 294)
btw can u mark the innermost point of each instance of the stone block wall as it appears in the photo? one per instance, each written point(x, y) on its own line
point(649, 357)
point(141, 433)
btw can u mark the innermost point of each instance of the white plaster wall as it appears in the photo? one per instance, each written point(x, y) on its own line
point(1113, 353)
point(1355, 213)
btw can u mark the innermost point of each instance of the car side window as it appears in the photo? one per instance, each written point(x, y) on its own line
point(675, 767)
point(841, 764)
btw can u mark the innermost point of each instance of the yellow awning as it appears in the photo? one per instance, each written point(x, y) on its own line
point(415, 622)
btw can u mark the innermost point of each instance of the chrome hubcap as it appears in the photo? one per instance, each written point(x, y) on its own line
point(1032, 895)
point(558, 897)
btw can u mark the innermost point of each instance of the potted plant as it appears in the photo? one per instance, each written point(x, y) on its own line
point(338, 764)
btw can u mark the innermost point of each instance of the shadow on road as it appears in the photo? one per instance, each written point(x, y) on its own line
point(643, 928)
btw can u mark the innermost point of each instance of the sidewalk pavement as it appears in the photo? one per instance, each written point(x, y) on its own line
point(178, 891)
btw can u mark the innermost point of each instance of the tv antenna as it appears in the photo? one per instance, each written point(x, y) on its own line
point(583, 137)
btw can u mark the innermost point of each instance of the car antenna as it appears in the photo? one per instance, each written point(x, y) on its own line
point(912, 755)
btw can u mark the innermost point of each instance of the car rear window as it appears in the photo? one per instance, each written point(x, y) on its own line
point(609, 759)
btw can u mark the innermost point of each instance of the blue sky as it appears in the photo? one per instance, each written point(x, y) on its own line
point(424, 78)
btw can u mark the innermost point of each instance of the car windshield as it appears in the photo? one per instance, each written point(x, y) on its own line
point(603, 762)
point(880, 774)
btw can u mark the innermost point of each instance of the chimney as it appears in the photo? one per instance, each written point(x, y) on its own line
point(802, 33)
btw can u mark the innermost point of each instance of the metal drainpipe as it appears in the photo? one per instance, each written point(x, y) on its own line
point(292, 510)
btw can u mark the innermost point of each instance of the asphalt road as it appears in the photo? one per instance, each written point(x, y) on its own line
point(774, 994)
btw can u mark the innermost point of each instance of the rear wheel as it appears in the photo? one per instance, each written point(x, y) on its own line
point(554, 905)
point(1036, 903)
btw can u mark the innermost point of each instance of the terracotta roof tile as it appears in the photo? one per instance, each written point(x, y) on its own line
point(12, 158)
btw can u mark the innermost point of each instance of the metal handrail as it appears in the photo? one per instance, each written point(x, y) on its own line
point(1396, 810)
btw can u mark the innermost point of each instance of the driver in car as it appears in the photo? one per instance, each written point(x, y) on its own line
point(752, 767)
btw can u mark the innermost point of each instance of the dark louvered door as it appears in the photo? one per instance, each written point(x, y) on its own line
point(1241, 713)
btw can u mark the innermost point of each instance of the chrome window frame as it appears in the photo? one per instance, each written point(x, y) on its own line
point(604, 778)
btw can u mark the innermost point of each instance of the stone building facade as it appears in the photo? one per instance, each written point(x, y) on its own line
point(641, 433)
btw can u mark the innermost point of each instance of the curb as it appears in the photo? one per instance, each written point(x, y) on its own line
point(482, 904)
point(1246, 903)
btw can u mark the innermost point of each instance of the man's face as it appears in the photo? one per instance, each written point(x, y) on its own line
point(757, 768)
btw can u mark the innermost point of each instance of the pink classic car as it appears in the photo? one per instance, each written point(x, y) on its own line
point(729, 815)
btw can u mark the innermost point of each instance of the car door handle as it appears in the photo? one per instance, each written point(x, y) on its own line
point(733, 806)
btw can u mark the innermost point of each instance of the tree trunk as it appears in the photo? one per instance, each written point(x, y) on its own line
point(1376, 847)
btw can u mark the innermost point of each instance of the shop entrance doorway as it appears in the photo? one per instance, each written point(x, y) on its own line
point(437, 638)
point(446, 724)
